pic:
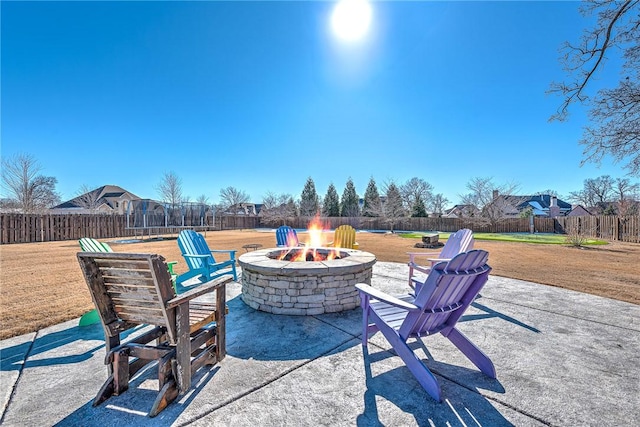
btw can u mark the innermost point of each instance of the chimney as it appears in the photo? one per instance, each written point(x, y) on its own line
point(554, 210)
point(495, 194)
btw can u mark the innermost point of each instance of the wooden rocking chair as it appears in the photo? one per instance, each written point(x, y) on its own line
point(135, 289)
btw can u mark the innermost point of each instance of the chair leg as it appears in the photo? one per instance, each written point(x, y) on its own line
point(106, 391)
point(121, 371)
point(183, 348)
point(473, 353)
point(221, 321)
point(419, 370)
point(167, 394)
point(365, 319)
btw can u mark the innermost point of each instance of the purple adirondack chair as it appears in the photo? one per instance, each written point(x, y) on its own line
point(458, 242)
point(436, 308)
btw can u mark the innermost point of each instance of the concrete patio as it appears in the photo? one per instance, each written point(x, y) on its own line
point(563, 358)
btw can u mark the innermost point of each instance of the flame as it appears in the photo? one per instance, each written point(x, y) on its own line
point(315, 230)
point(309, 252)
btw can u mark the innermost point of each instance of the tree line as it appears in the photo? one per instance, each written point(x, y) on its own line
point(30, 192)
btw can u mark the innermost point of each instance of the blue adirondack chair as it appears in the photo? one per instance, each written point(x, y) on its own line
point(200, 259)
point(447, 292)
point(286, 237)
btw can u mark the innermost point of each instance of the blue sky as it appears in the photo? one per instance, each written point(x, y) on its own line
point(262, 95)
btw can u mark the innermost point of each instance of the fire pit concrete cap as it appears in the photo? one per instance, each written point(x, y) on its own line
point(259, 261)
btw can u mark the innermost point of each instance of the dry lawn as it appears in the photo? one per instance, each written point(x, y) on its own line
point(41, 283)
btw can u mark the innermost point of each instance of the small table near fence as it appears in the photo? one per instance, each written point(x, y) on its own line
point(252, 246)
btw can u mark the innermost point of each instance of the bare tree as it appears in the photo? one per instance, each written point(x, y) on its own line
point(202, 200)
point(31, 192)
point(170, 189)
point(438, 204)
point(88, 198)
point(494, 202)
point(627, 194)
point(231, 196)
point(277, 208)
point(614, 112)
point(594, 191)
point(414, 189)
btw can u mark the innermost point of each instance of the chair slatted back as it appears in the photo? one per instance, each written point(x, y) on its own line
point(286, 236)
point(89, 244)
point(345, 237)
point(129, 290)
point(449, 289)
point(192, 243)
point(458, 242)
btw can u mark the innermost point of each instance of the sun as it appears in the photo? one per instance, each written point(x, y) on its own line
point(350, 19)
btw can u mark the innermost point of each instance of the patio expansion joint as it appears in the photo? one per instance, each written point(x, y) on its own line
point(501, 402)
point(15, 385)
point(267, 382)
point(564, 314)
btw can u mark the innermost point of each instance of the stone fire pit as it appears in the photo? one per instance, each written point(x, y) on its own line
point(304, 287)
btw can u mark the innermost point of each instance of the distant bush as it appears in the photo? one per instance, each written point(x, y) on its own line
point(577, 235)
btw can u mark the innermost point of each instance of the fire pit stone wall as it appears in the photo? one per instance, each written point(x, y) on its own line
point(304, 288)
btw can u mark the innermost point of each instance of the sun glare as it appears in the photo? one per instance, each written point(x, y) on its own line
point(350, 19)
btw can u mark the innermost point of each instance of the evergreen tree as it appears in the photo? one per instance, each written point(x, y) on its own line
point(331, 205)
point(309, 200)
point(418, 209)
point(393, 209)
point(372, 205)
point(349, 204)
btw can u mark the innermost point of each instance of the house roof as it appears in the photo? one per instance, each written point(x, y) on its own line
point(102, 195)
point(541, 200)
point(579, 210)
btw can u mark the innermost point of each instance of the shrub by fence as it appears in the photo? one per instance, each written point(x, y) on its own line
point(25, 228)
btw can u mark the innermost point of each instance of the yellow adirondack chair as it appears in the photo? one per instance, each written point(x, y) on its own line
point(345, 237)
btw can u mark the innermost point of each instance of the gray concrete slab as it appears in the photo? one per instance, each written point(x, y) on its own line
point(562, 358)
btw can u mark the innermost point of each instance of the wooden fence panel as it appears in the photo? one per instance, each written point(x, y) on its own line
point(21, 228)
point(606, 227)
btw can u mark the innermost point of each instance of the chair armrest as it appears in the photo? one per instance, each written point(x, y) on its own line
point(170, 265)
point(198, 291)
point(425, 270)
point(381, 296)
point(223, 251)
point(412, 255)
point(195, 256)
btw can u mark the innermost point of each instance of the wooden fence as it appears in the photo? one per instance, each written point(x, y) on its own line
point(511, 225)
point(623, 228)
point(25, 228)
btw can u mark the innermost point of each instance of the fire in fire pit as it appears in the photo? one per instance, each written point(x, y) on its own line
point(307, 254)
point(313, 249)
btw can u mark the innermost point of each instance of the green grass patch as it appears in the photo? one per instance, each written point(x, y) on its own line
point(549, 239)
